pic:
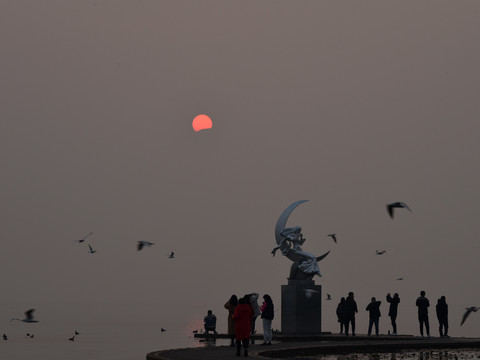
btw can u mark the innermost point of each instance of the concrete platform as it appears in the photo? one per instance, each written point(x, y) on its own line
point(323, 344)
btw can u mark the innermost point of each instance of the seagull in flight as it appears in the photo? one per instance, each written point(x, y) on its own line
point(377, 252)
point(329, 297)
point(28, 317)
point(334, 237)
point(309, 293)
point(86, 236)
point(172, 255)
point(397, 204)
point(468, 312)
point(141, 244)
point(90, 250)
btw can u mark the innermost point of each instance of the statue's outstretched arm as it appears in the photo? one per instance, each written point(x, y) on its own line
point(275, 250)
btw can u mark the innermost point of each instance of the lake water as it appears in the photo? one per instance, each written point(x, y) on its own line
point(102, 341)
point(129, 332)
point(411, 355)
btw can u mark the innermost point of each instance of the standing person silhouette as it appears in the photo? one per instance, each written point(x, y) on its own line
point(230, 305)
point(374, 315)
point(442, 316)
point(392, 311)
point(267, 317)
point(340, 314)
point(350, 308)
point(252, 299)
point(423, 304)
point(243, 321)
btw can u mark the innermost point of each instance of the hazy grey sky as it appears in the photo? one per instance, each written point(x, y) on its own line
point(349, 104)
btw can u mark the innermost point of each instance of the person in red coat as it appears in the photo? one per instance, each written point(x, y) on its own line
point(243, 317)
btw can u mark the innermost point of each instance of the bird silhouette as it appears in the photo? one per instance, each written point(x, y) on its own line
point(329, 297)
point(76, 332)
point(309, 293)
point(72, 338)
point(86, 236)
point(334, 237)
point(5, 337)
point(377, 252)
point(172, 255)
point(400, 278)
point(28, 317)
point(468, 312)
point(163, 329)
point(141, 244)
point(397, 204)
point(90, 250)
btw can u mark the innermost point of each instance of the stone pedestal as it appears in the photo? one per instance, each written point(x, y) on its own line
point(301, 308)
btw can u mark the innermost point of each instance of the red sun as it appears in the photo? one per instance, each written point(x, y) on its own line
point(201, 122)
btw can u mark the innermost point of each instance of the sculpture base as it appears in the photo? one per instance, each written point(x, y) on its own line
point(301, 308)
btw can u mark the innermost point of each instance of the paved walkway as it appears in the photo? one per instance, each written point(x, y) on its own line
point(328, 345)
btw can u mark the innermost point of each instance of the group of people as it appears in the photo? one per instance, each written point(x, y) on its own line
point(347, 308)
point(242, 315)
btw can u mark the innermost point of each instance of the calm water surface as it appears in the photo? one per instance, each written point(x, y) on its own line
point(412, 355)
point(100, 341)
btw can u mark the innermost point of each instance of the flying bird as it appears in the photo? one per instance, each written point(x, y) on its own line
point(397, 204)
point(468, 312)
point(334, 237)
point(28, 317)
point(329, 297)
point(83, 239)
point(90, 250)
point(141, 244)
point(309, 293)
point(76, 332)
point(72, 338)
point(377, 252)
point(163, 329)
point(400, 278)
point(172, 255)
point(5, 337)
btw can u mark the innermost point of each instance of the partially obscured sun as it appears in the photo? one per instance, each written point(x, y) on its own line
point(201, 122)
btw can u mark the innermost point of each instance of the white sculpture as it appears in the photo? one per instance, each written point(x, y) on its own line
point(305, 265)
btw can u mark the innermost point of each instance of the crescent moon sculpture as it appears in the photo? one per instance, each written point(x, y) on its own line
point(305, 265)
point(282, 220)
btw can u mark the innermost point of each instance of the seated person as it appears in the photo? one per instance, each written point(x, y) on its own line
point(210, 322)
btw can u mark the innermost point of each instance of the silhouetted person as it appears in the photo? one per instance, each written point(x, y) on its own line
point(350, 308)
point(268, 311)
point(442, 316)
point(210, 322)
point(252, 299)
point(374, 315)
point(243, 321)
point(230, 305)
point(423, 304)
point(392, 311)
point(340, 314)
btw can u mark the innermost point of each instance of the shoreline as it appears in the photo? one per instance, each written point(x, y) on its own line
point(297, 346)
